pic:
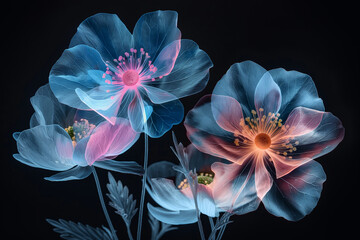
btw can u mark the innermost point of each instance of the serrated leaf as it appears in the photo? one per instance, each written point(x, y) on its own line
point(121, 200)
point(77, 231)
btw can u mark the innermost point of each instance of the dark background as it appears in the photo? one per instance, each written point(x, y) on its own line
point(314, 38)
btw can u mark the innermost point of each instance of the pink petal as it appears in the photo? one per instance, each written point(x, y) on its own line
point(110, 140)
point(263, 180)
point(227, 112)
point(284, 165)
point(302, 121)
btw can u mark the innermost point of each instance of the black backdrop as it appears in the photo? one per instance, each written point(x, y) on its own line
point(317, 39)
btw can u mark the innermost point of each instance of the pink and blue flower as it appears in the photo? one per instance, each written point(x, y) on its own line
point(138, 76)
point(64, 139)
point(273, 123)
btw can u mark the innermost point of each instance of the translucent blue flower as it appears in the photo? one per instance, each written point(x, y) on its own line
point(63, 139)
point(274, 124)
point(138, 76)
point(172, 190)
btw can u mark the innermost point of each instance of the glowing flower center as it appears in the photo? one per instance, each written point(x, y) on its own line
point(265, 131)
point(130, 77)
point(262, 141)
point(79, 130)
point(130, 69)
point(202, 178)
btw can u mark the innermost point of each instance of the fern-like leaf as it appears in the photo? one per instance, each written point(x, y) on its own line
point(121, 200)
point(77, 231)
point(156, 232)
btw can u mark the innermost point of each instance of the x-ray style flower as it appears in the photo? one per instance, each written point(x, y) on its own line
point(273, 124)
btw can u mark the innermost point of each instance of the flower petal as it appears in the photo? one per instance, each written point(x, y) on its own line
point(208, 136)
point(106, 33)
point(167, 195)
point(173, 217)
point(155, 30)
point(296, 194)
point(76, 173)
point(263, 180)
point(302, 121)
point(297, 89)
point(206, 201)
point(72, 70)
point(165, 61)
point(48, 147)
point(267, 95)
point(131, 167)
point(234, 187)
point(240, 82)
point(227, 112)
point(160, 117)
point(48, 110)
point(190, 73)
point(109, 140)
point(329, 133)
point(156, 95)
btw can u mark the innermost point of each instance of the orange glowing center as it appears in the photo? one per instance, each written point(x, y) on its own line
point(262, 141)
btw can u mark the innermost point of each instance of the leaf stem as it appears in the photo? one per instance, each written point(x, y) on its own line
point(129, 232)
point(103, 203)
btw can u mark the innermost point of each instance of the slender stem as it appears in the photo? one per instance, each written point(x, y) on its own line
point(129, 232)
point(222, 230)
point(141, 210)
point(103, 203)
point(211, 221)
point(201, 230)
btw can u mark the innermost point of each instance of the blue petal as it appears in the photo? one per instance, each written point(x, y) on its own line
point(296, 194)
point(160, 117)
point(16, 135)
point(162, 169)
point(190, 73)
point(106, 33)
point(267, 95)
point(240, 82)
point(167, 195)
point(47, 147)
point(155, 30)
point(73, 70)
point(76, 173)
point(131, 167)
point(297, 89)
point(173, 217)
point(48, 110)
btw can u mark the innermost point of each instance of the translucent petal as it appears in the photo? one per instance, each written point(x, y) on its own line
point(72, 70)
point(206, 202)
point(160, 117)
point(208, 136)
point(131, 167)
point(165, 61)
point(234, 187)
point(106, 33)
point(48, 110)
point(190, 73)
point(297, 89)
point(156, 95)
point(167, 195)
point(173, 217)
point(76, 173)
point(263, 180)
point(109, 140)
point(162, 169)
point(155, 30)
point(267, 95)
point(302, 121)
point(296, 194)
point(329, 133)
point(240, 82)
point(48, 147)
point(227, 112)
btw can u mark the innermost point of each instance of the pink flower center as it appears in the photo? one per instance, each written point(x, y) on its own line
point(130, 77)
point(262, 141)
